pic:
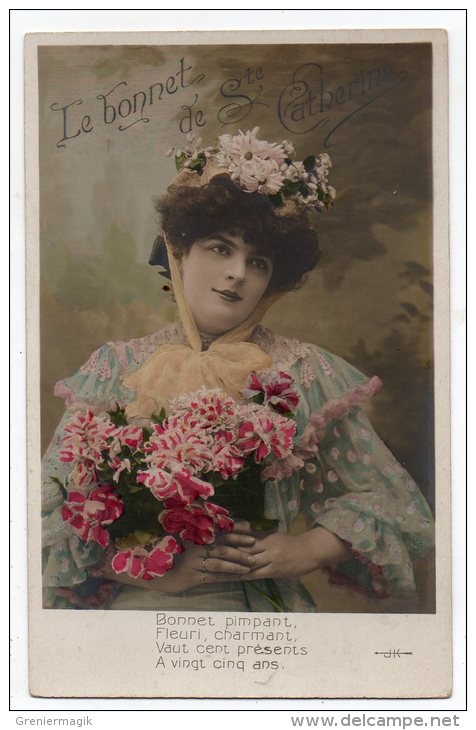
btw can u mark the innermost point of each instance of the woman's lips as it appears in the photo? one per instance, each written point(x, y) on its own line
point(228, 295)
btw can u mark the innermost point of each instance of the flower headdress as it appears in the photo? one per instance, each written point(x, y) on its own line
point(257, 166)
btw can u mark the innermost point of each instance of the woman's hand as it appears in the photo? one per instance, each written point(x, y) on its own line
point(200, 564)
point(291, 556)
point(228, 559)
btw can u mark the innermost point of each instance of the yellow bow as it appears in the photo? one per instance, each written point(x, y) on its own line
point(176, 369)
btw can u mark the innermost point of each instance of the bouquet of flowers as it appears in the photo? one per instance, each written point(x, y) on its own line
point(143, 492)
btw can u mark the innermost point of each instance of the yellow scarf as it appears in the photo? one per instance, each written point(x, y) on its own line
point(174, 370)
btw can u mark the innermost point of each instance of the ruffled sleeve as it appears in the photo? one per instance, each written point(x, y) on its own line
point(351, 484)
point(97, 386)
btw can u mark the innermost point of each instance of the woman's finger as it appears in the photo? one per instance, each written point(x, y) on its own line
point(242, 527)
point(256, 548)
point(236, 540)
point(215, 565)
point(264, 571)
point(230, 554)
point(260, 560)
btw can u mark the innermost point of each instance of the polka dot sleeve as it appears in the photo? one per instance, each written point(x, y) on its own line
point(371, 502)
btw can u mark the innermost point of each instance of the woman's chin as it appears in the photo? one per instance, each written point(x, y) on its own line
point(218, 326)
point(216, 330)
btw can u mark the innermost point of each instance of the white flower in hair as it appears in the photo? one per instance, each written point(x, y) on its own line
point(295, 171)
point(259, 176)
point(246, 147)
point(258, 166)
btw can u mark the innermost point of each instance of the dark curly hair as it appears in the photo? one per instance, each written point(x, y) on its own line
point(191, 213)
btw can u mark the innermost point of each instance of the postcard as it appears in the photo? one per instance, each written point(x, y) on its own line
point(238, 364)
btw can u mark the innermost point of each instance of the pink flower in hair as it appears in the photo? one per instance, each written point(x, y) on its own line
point(260, 176)
point(246, 147)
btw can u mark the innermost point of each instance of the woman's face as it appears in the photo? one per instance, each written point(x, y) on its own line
point(224, 278)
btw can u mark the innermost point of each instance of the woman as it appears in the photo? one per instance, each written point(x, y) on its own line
point(238, 237)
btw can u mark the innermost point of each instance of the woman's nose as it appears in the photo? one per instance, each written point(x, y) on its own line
point(236, 268)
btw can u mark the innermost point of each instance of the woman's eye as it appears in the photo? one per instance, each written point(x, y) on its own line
point(260, 264)
point(220, 248)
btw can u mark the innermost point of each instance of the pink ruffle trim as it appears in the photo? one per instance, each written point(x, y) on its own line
point(340, 407)
point(334, 409)
point(61, 390)
point(378, 590)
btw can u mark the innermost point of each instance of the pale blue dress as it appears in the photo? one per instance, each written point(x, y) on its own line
point(354, 487)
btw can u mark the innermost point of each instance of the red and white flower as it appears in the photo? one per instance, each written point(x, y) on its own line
point(86, 438)
point(138, 562)
point(263, 432)
point(119, 465)
point(181, 484)
point(275, 390)
point(195, 522)
point(88, 516)
point(228, 458)
point(175, 444)
point(130, 436)
point(205, 409)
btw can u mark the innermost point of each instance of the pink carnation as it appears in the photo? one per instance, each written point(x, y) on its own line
point(262, 432)
point(275, 389)
point(84, 475)
point(205, 409)
point(89, 515)
point(228, 459)
point(138, 562)
point(171, 446)
point(119, 465)
point(282, 438)
point(130, 436)
point(87, 436)
point(280, 396)
point(181, 484)
point(197, 523)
